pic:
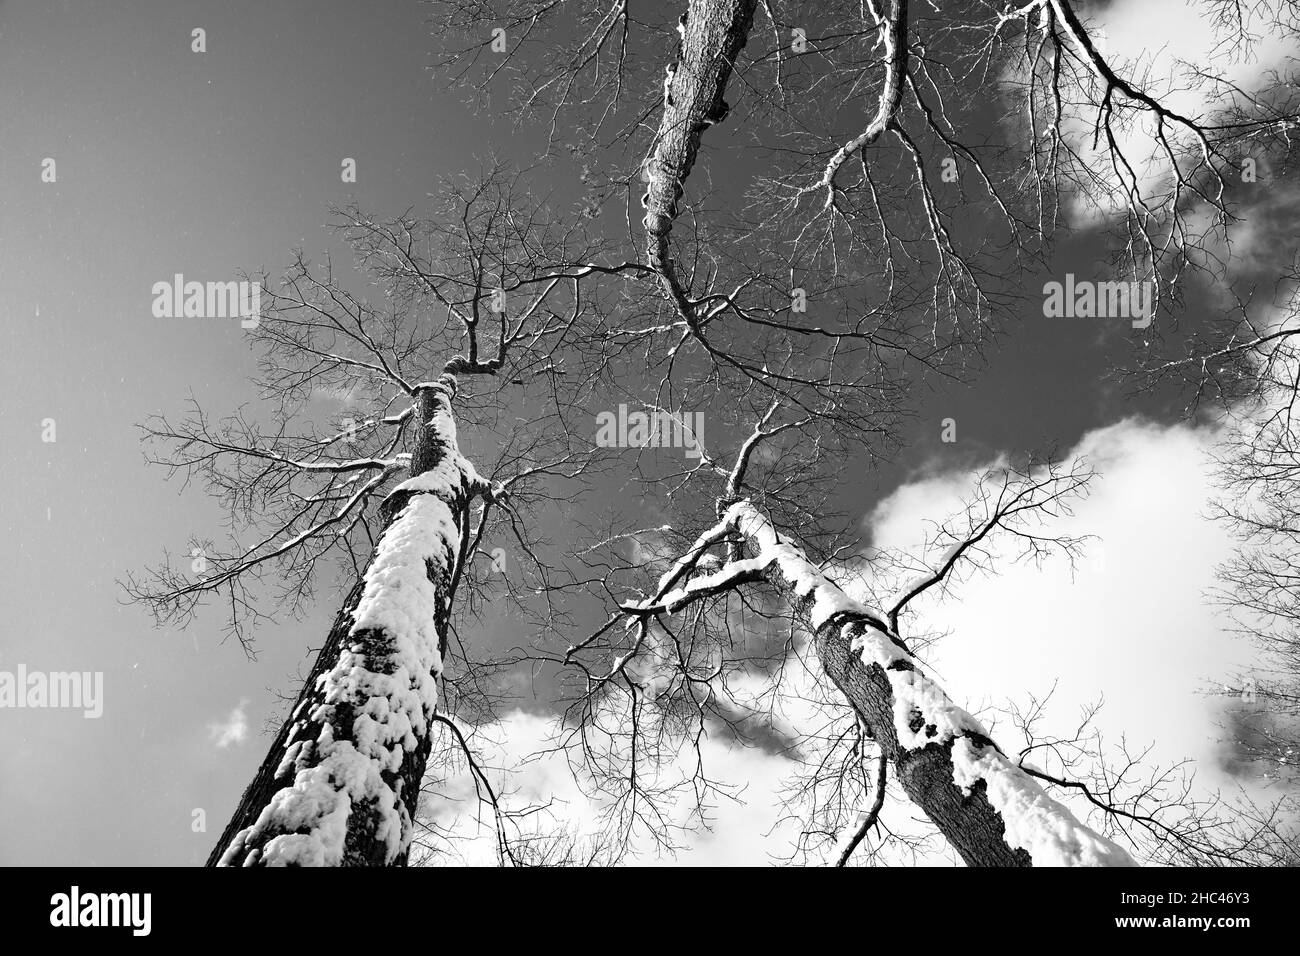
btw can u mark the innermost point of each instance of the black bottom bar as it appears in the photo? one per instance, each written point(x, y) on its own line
point(341, 906)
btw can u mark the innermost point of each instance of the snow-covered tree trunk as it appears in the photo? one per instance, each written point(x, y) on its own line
point(989, 810)
point(341, 782)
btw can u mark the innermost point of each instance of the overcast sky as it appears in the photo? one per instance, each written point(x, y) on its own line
point(207, 164)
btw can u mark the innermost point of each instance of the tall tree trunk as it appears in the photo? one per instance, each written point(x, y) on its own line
point(340, 784)
point(989, 810)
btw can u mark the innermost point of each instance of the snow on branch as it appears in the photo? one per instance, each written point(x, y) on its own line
point(893, 34)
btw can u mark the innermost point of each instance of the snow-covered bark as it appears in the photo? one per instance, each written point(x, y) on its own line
point(991, 811)
point(713, 32)
point(340, 785)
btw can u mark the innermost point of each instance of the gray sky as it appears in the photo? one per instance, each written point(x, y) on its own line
point(207, 164)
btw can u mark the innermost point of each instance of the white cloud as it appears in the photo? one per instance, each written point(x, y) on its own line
point(1130, 625)
point(1159, 34)
point(232, 730)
